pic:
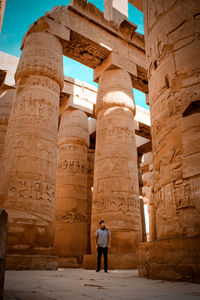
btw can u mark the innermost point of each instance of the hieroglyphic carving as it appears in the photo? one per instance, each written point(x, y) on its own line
point(71, 188)
point(70, 217)
point(84, 50)
point(116, 186)
point(32, 196)
point(121, 203)
point(73, 166)
point(29, 155)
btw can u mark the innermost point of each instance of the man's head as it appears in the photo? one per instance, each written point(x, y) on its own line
point(102, 224)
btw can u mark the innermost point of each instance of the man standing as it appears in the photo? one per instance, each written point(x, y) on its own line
point(102, 245)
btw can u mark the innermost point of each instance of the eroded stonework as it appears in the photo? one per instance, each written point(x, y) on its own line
point(172, 46)
point(29, 154)
point(116, 187)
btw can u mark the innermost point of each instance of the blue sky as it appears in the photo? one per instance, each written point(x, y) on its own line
point(19, 14)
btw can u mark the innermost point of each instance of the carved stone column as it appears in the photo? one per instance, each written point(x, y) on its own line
point(90, 182)
point(70, 242)
point(29, 156)
point(116, 186)
point(172, 47)
point(6, 99)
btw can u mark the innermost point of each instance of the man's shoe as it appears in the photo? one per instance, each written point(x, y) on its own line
point(97, 270)
point(106, 271)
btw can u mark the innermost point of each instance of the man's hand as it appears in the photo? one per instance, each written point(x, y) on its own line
point(96, 246)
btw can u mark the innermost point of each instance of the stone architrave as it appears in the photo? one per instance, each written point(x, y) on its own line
point(29, 157)
point(70, 242)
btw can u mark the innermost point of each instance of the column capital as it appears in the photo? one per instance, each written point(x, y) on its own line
point(115, 61)
point(115, 90)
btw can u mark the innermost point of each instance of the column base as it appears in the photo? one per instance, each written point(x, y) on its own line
point(31, 262)
point(173, 259)
point(70, 262)
point(115, 261)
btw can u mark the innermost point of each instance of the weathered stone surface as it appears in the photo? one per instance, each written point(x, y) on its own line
point(176, 177)
point(8, 66)
point(90, 179)
point(172, 259)
point(71, 187)
point(31, 262)
point(6, 99)
point(172, 47)
point(116, 186)
point(28, 165)
point(3, 240)
point(91, 42)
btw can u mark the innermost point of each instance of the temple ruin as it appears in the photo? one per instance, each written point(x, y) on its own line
point(72, 154)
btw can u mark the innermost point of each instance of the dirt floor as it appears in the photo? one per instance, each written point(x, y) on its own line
point(79, 284)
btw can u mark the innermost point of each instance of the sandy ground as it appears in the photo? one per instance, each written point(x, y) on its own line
point(79, 284)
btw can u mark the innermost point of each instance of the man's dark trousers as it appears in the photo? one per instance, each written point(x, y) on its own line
point(105, 255)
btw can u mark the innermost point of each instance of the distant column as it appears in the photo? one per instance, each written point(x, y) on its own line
point(28, 161)
point(116, 187)
point(90, 180)
point(70, 242)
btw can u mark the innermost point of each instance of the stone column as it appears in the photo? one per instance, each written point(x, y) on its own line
point(144, 234)
point(3, 240)
point(116, 186)
point(29, 156)
point(172, 47)
point(147, 174)
point(90, 180)
point(70, 242)
point(6, 99)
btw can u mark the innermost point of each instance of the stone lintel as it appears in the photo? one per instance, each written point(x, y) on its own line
point(46, 24)
point(115, 61)
point(93, 38)
point(77, 103)
point(145, 148)
point(143, 130)
point(116, 10)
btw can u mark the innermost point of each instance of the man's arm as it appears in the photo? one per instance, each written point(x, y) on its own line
point(96, 239)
